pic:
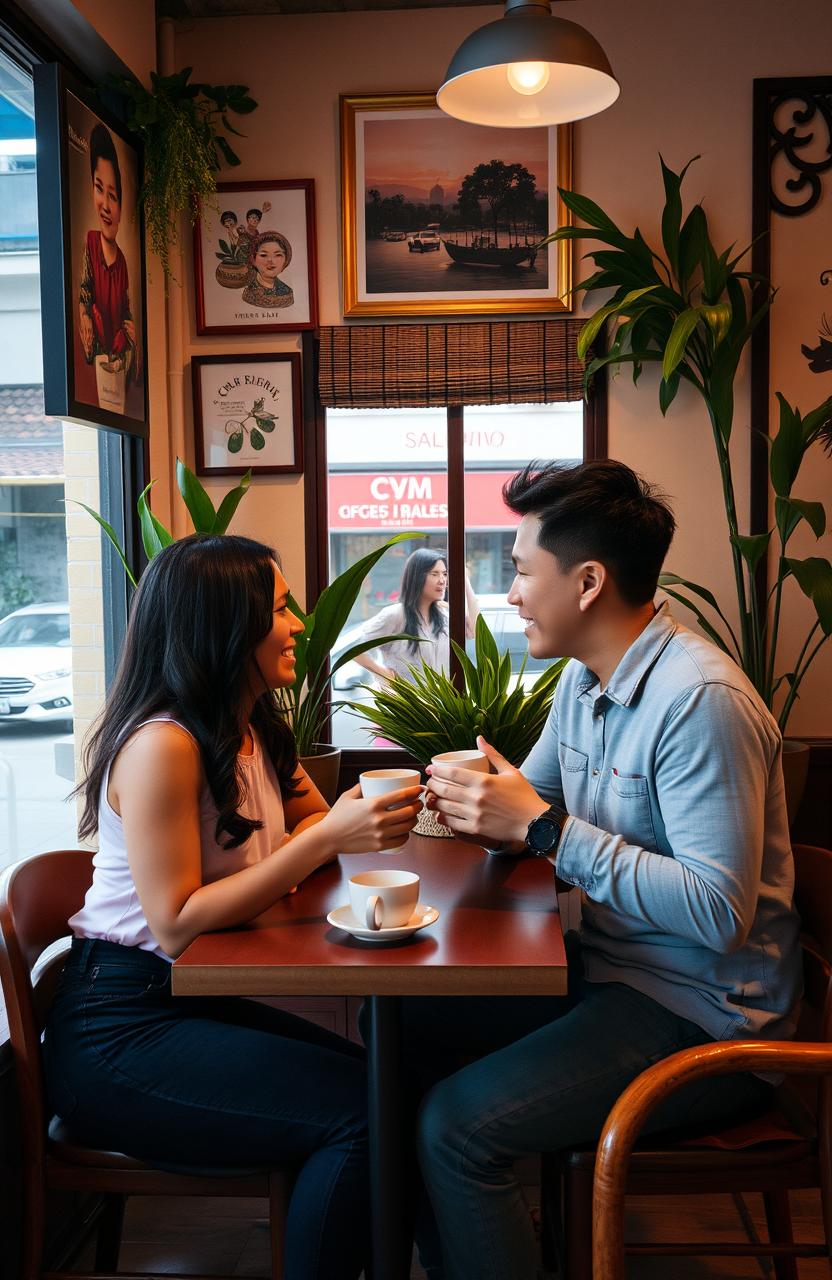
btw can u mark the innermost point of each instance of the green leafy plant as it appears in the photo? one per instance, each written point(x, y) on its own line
point(427, 714)
point(306, 703)
point(204, 517)
point(178, 123)
point(692, 310)
point(232, 255)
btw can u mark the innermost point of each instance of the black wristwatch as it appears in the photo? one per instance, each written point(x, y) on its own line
point(543, 835)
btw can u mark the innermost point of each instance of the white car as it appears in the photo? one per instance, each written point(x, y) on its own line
point(36, 665)
point(421, 241)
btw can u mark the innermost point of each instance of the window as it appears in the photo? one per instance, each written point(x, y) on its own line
point(388, 470)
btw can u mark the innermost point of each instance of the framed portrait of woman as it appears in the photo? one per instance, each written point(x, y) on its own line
point(91, 258)
point(254, 258)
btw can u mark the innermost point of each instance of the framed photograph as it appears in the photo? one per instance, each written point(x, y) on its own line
point(247, 413)
point(440, 217)
point(254, 259)
point(91, 258)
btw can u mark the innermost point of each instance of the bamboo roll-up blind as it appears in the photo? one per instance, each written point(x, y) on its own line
point(394, 366)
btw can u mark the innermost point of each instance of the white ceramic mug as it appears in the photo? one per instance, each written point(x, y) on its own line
point(377, 782)
point(383, 899)
point(469, 759)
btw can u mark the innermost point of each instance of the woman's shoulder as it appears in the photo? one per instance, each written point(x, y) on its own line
point(163, 744)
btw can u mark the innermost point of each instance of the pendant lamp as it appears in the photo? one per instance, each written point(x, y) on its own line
point(528, 69)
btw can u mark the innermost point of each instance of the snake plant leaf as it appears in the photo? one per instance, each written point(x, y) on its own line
point(593, 325)
point(718, 319)
point(814, 577)
point(708, 627)
point(752, 547)
point(154, 534)
point(672, 214)
point(668, 388)
point(591, 213)
point(669, 580)
point(816, 422)
point(200, 507)
point(788, 513)
point(230, 503)
point(111, 534)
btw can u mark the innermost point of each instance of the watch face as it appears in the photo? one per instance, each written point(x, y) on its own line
point(543, 835)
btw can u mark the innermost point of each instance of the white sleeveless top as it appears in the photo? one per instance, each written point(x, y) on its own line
point(112, 911)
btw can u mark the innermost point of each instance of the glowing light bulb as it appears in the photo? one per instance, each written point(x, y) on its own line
point(528, 77)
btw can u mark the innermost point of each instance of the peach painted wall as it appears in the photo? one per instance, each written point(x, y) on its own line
point(129, 28)
point(686, 73)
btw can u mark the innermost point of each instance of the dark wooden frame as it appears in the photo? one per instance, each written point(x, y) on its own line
point(292, 358)
point(306, 185)
point(353, 760)
point(58, 307)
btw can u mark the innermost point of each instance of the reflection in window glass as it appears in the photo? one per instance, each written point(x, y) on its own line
point(387, 474)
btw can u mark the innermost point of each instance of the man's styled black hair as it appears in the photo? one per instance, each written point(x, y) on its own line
point(597, 511)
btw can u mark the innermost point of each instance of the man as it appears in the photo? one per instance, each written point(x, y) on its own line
point(656, 788)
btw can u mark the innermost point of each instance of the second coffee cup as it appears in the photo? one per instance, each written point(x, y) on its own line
point(383, 899)
point(377, 782)
point(468, 759)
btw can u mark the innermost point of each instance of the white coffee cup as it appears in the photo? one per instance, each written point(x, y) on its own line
point(469, 759)
point(383, 899)
point(377, 782)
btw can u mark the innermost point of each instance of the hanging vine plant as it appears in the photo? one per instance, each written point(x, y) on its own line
point(179, 123)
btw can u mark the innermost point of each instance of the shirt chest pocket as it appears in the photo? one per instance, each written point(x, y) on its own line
point(625, 810)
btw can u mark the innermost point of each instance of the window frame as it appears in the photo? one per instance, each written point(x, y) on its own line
point(316, 520)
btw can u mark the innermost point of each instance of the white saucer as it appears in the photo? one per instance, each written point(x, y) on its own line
point(343, 918)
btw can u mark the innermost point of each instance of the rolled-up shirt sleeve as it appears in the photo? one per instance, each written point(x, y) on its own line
point(712, 766)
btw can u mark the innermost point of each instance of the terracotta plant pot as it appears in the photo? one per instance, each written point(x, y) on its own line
point(795, 772)
point(323, 768)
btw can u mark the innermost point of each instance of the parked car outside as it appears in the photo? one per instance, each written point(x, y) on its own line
point(36, 665)
point(421, 241)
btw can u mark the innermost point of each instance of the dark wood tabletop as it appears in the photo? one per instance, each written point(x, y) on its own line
point(498, 933)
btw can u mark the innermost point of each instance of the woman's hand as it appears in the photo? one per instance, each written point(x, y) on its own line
point(85, 332)
point(358, 825)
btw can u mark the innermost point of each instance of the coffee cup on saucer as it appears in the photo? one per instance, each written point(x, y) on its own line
point(383, 899)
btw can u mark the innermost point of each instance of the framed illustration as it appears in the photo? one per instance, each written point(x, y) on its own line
point(247, 414)
point(441, 217)
point(254, 259)
point(91, 239)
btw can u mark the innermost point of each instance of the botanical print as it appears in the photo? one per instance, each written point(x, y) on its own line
point(254, 259)
point(247, 413)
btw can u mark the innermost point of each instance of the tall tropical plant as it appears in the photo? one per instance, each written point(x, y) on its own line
point(427, 714)
point(204, 517)
point(306, 703)
point(693, 310)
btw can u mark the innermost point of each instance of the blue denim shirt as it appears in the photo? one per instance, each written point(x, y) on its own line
point(677, 832)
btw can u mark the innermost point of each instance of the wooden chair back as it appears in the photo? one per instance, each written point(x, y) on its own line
point(37, 897)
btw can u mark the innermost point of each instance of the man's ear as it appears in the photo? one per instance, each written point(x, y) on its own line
point(592, 577)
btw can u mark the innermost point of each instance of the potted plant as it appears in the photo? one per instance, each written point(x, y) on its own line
point(306, 703)
point(183, 147)
point(691, 310)
point(233, 266)
point(427, 714)
point(200, 508)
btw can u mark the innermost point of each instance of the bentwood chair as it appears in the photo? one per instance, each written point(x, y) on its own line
point(788, 1148)
point(37, 897)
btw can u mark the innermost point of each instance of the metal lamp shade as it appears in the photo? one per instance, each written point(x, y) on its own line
point(580, 79)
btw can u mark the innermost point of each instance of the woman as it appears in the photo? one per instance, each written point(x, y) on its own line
point(268, 255)
point(204, 819)
point(421, 612)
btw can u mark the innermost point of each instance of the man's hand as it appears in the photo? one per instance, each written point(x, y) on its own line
point(486, 808)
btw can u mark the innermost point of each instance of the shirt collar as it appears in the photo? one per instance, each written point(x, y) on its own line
point(632, 670)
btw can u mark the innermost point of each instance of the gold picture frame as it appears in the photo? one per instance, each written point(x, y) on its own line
point(385, 274)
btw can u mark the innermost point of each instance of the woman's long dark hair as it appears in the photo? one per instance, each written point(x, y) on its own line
point(418, 566)
point(203, 605)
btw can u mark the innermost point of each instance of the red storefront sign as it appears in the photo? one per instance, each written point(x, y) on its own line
point(405, 500)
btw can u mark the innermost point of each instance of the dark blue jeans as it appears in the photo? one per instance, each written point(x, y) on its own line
point(188, 1081)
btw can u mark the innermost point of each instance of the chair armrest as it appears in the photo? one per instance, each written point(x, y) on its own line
point(627, 1117)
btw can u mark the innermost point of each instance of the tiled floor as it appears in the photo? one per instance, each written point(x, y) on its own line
point(230, 1237)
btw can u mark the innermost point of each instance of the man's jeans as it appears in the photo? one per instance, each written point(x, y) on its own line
point(553, 1067)
point(182, 1081)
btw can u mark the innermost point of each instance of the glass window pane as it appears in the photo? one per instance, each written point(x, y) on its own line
point(499, 441)
point(387, 472)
